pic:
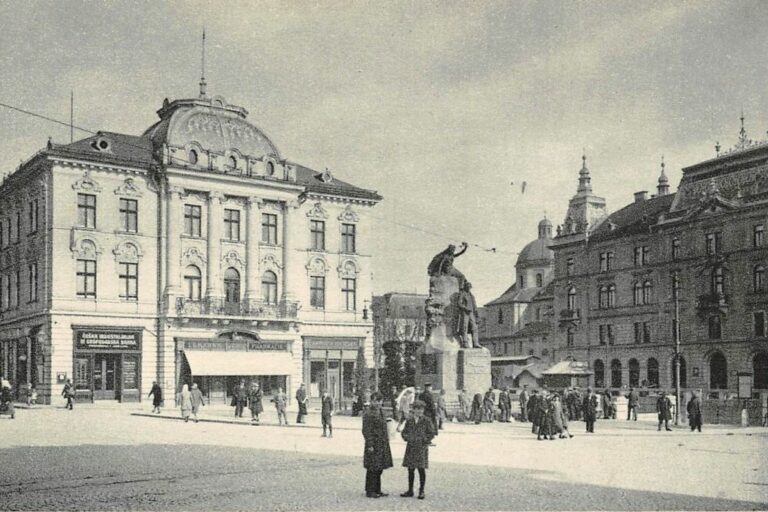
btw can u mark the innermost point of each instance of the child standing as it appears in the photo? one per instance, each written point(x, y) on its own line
point(418, 433)
point(69, 393)
point(281, 401)
point(327, 413)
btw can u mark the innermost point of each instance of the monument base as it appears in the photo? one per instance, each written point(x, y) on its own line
point(466, 368)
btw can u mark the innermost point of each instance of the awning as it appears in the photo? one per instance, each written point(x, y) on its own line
point(207, 362)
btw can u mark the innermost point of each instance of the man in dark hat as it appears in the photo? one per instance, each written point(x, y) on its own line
point(377, 456)
point(664, 409)
point(418, 433)
point(430, 411)
point(590, 410)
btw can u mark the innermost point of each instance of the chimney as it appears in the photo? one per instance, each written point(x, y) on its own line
point(641, 196)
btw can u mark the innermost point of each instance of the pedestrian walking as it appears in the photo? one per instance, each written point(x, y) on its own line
point(505, 405)
point(418, 434)
point(69, 393)
point(694, 412)
point(633, 402)
point(578, 403)
point(664, 410)
point(441, 409)
point(430, 410)
point(377, 456)
point(561, 418)
point(404, 406)
point(326, 413)
point(523, 398)
point(546, 418)
point(255, 397)
point(185, 402)
point(608, 409)
point(589, 406)
point(489, 406)
point(533, 411)
point(197, 400)
point(477, 409)
point(301, 399)
point(240, 399)
point(280, 400)
point(157, 397)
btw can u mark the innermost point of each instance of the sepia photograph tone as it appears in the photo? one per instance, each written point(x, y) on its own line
point(404, 255)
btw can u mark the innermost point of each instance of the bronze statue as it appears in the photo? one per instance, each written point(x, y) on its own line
point(467, 319)
point(442, 263)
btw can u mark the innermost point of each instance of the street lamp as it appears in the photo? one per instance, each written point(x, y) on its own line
point(676, 295)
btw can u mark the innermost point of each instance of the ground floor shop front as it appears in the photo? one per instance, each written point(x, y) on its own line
point(107, 363)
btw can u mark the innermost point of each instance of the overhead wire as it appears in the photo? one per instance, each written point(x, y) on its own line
point(412, 226)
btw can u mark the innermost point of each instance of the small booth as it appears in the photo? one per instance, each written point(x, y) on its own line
point(567, 374)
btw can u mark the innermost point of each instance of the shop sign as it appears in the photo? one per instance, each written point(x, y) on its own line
point(116, 340)
point(231, 346)
point(331, 343)
point(267, 346)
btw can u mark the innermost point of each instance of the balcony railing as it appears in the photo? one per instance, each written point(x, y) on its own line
point(245, 308)
point(712, 303)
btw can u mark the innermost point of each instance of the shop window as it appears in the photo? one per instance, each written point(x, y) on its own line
point(82, 372)
point(193, 280)
point(269, 287)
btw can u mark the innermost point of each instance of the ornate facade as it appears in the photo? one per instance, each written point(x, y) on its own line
point(194, 252)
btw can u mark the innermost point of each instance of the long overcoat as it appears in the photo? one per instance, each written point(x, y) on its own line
point(376, 437)
point(561, 423)
point(418, 436)
point(590, 407)
point(664, 408)
point(694, 412)
point(255, 397)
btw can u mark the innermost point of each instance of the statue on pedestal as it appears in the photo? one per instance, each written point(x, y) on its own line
point(442, 263)
point(467, 318)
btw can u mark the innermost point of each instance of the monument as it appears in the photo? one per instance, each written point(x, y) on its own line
point(451, 357)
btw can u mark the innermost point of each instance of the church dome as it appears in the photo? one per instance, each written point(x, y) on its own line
point(210, 125)
point(538, 251)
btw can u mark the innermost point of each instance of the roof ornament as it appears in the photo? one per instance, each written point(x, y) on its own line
point(326, 177)
point(717, 148)
point(663, 186)
point(584, 179)
point(743, 139)
point(203, 84)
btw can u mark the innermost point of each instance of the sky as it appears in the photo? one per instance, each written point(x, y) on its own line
point(439, 106)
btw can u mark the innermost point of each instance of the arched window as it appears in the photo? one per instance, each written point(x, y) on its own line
point(572, 298)
point(634, 373)
point(758, 278)
point(602, 297)
point(718, 371)
point(599, 373)
point(647, 292)
point(615, 373)
point(653, 373)
point(231, 286)
point(570, 336)
point(760, 370)
point(612, 296)
point(270, 168)
point(683, 373)
point(638, 294)
point(232, 163)
point(539, 280)
point(192, 279)
point(269, 287)
point(192, 157)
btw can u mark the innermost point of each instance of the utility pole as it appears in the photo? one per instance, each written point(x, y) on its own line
point(676, 292)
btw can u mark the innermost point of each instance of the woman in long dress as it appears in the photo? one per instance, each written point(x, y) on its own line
point(185, 402)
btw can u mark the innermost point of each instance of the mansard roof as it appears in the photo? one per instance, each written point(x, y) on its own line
point(633, 219)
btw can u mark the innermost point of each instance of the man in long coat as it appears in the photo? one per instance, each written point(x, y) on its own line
point(664, 409)
point(633, 403)
point(418, 433)
point(694, 412)
point(533, 411)
point(240, 399)
point(301, 399)
point(430, 411)
point(505, 404)
point(524, 397)
point(377, 456)
point(590, 410)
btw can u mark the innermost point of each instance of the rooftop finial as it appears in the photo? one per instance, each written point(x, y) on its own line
point(203, 85)
point(743, 140)
point(584, 179)
point(663, 186)
point(717, 148)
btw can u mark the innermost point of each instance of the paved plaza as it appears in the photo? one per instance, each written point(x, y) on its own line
point(114, 459)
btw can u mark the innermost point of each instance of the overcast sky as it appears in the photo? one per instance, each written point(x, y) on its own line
point(437, 105)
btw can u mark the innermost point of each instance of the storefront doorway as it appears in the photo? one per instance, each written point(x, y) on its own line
point(107, 364)
point(106, 376)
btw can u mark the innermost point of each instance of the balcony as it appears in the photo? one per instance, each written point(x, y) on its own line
point(712, 303)
point(251, 309)
point(569, 316)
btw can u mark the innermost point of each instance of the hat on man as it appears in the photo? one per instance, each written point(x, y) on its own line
point(418, 404)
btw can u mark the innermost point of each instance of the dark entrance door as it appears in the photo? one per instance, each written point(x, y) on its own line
point(105, 376)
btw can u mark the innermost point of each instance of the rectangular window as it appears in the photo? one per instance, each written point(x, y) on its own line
point(15, 287)
point(232, 225)
point(606, 261)
point(715, 328)
point(269, 228)
point(349, 292)
point(17, 232)
point(569, 266)
point(128, 274)
point(646, 332)
point(713, 243)
point(757, 235)
point(86, 278)
point(759, 323)
point(129, 215)
point(348, 242)
point(317, 292)
point(638, 332)
point(7, 238)
point(33, 216)
point(86, 211)
point(675, 248)
point(601, 334)
point(501, 316)
point(32, 282)
point(317, 235)
point(609, 334)
point(674, 330)
point(192, 216)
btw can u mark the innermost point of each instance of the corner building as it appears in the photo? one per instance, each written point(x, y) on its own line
point(697, 258)
point(192, 253)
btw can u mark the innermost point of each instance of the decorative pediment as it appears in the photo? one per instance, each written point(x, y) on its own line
point(233, 259)
point(86, 184)
point(193, 256)
point(269, 261)
point(85, 248)
point(128, 251)
point(317, 266)
point(348, 269)
point(129, 188)
point(349, 215)
point(317, 212)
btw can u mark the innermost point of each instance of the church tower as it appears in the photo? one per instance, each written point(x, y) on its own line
point(585, 209)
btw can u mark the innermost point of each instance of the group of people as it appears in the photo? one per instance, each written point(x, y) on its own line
point(434, 410)
point(548, 416)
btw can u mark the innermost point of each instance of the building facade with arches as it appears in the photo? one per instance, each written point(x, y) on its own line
point(694, 259)
point(194, 252)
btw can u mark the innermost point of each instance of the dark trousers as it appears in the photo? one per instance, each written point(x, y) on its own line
point(632, 412)
point(504, 414)
point(373, 480)
point(239, 406)
point(326, 418)
point(590, 424)
point(422, 478)
point(69, 403)
point(523, 411)
point(665, 422)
